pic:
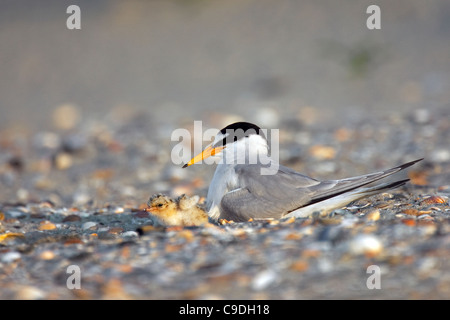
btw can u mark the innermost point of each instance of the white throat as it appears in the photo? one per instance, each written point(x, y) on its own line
point(248, 150)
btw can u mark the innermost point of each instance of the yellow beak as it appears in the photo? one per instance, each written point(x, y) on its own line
point(208, 152)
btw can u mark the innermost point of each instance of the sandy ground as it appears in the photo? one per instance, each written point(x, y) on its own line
point(85, 126)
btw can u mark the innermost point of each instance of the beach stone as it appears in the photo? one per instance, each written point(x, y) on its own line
point(365, 244)
point(264, 279)
point(72, 218)
point(89, 225)
point(373, 215)
point(43, 141)
point(74, 142)
point(422, 116)
point(63, 161)
point(46, 225)
point(10, 257)
point(16, 213)
point(47, 255)
point(440, 155)
point(29, 293)
point(130, 234)
point(322, 152)
point(115, 230)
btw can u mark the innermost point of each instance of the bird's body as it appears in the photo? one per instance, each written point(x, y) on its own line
point(243, 187)
point(223, 182)
point(181, 212)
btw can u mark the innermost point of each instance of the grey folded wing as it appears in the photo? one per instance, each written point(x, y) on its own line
point(274, 196)
point(265, 196)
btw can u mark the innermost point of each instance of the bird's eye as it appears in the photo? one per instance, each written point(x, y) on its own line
point(160, 205)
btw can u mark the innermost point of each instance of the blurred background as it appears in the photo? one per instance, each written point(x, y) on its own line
point(86, 115)
point(191, 58)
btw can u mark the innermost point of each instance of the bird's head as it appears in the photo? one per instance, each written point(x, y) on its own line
point(161, 205)
point(239, 142)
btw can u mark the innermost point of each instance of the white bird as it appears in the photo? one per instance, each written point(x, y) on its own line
point(240, 189)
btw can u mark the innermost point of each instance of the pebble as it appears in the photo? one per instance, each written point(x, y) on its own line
point(299, 266)
point(114, 290)
point(10, 257)
point(63, 161)
point(46, 225)
point(81, 198)
point(115, 230)
point(16, 213)
point(119, 210)
point(47, 255)
point(29, 293)
point(73, 143)
point(440, 155)
point(422, 116)
point(44, 141)
point(409, 222)
point(426, 264)
point(343, 134)
point(321, 152)
point(365, 244)
point(434, 200)
point(373, 215)
point(130, 234)
point(89, 225)
point(72, 218)
point(411, 211)
point(425, 216)
point(22, 194)
point(267, 117)
point(264, 279)
point(9, 235)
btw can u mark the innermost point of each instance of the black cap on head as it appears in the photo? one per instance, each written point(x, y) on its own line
point(241, 125)
point(237, 131)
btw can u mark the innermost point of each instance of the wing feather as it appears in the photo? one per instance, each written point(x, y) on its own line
point(274, 196)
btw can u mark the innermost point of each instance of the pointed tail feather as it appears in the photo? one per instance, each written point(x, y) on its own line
point(332, 188)
point(343, 199)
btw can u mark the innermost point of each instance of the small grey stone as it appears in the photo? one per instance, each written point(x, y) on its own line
point(16, 213)
point(88, 225)
point(130, 234)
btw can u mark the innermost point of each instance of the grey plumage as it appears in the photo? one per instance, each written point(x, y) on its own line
point(279, 195)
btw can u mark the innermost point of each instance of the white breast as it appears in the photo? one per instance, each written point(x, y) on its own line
point(224, 180)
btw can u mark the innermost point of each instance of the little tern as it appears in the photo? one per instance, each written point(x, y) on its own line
point(238, 191)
